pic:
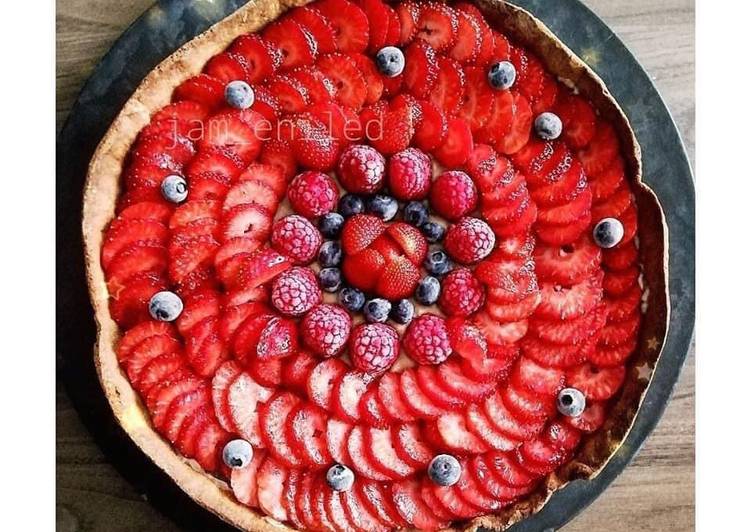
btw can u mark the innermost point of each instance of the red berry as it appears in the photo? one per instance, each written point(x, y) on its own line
point(360, 231)
point(350, 24)
point(427, 340)
point(409, 174)
point(313, 194)
point(325, 329)
point(462, 294)
point(297, 238)
point(361, 169)
point(437, 25)
point(421, 69)
point(373, 347)
point(458, 145)
point(311, 142)
point(295, 291)
point(398, 279)
point(453, 195)
point(469, 240)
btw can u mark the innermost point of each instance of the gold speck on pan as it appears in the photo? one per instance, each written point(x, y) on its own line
point(591, 56)
point(644, 372)
point(653, 343)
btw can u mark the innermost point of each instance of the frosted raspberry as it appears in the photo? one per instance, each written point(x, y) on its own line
point(361, 169)
point(469, 240)
point(373, 347)
point(427, 340)
point(297, 238)
point(295, 291)
point(325, 329)
point(313, 194)
point(409, 174)
point(462, 294)
point(453, 195)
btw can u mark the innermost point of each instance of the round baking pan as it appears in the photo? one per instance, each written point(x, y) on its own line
point(170, 23)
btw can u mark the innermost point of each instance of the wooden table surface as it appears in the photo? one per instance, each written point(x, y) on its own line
point(655, 493)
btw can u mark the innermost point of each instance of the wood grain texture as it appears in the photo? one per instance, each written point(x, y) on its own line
point(655, 493)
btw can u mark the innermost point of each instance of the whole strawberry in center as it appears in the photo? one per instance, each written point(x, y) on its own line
point(382, 258)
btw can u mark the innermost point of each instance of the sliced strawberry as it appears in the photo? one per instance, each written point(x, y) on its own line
point(350, 24)
point(297, 368)
point(578, 119)
point(390, 131)
point(297, 45)
point(427, 379)
point(409, 445)
point(262, 267)
point(468, 38)
point(378, 22)
point(227, 67)
point(448, 92)
point(562, 234)
point(318, 87)
point(348, 392)
point(277, 153)
point(521, 127)
point(597, 384)
point(602, 149)
point(431, 128)
point(261, 58)
point(371, 75)
point(307, 433)
point(380, 446)
point(416, 400)
point(182, 409)
point(318, 26)
point(363, 269)
point(492, 368)
point(271, 478)
point(159, 369)
point(318, 502)
point(567, 303)
point(123, 232)
point(526, 405)
point(539, 457)
point(334, 508)
point(500, 333)
point(508, 423)
point(398, 280)
point(562, 436)
point(479, 424)
point(476, 105)
point(360, 231)
point(408, 13)
point(591, 419)
point(160, 398)
point(556, 355)
point(405, 495)
point(618, 283)
point(312, 144)
point(244, 397)
point(147, 210)
point(452, 501)
point(437, 25)
point(358, 513)
point(337, 436)
point(451, 378)
point(220, 384)
point(217, 164)
point(391, 398)
point(376, 498)
point(357, 451)
point(266, 372)
point(372, 411)
point(290, 92)
point(303, 502)
point(228, 131)
point(512, 312)
point(530, 375)
point(201, 89)
point(455, 434)
point(572, 211)
point(321, 382)
point(501, 118)
point(209, 446)
point(569, 332)
point(421, 69)
point(458, 145)
point(341, 121)
point(129, 304)
point(273, 416)
point(569, 264)
point(191, 429)
point(244, 481)
point(204, 349)
point(289, 497)
point(394, 33)
point(146, 351)
point(410, 240)
point(137, 258)
point(474, 493)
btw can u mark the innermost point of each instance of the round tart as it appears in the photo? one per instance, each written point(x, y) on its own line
point(366, 266)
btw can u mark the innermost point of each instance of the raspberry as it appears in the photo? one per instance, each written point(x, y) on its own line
point(325, 329)
point(297, 238)
point(427, 340)
point(462, 293)
point(313, 194)
point(295, 291)
point(361, 169)
point(453, 195)
point(409, 174)
point(373, 347)
point(469, 240)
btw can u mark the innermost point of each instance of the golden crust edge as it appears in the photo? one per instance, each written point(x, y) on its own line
point(101, 191)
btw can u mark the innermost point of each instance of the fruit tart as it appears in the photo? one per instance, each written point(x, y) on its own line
point(360, 265)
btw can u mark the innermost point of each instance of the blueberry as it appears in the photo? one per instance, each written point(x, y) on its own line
point(608, 232)
point(433, 231)
point(377, 310)
point(390, 61)
point(340, 478)
point(385, 207)
point(444, 470)
point(330, 254)
point(437, 262)
point(548, 126)
point(349, 205)
point(352, 299)
point(502, 75)
point(427, 290)
point(239, 94)
point(403, 311)
point(174, 188)
point(237, 454)
point(415, 213)
point(165, 306)
point(331, 224)
point(571, 402)
point(330, 279)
